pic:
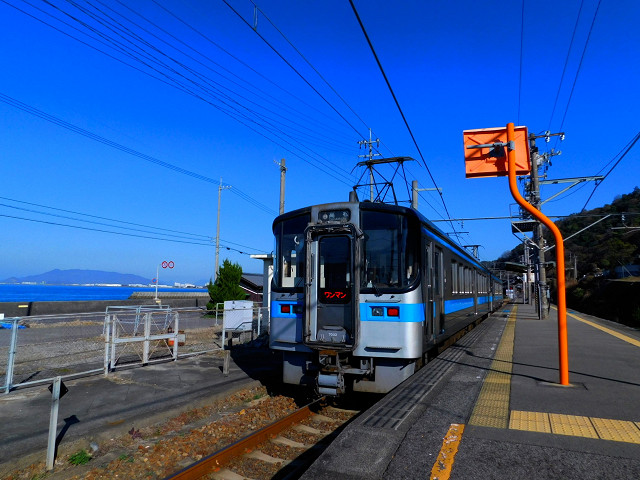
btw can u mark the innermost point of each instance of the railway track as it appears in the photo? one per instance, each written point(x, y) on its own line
point(283, 449)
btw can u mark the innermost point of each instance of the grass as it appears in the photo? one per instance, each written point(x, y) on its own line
point(81, 457)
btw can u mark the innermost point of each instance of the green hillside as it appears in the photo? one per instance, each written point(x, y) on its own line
point(597, 251)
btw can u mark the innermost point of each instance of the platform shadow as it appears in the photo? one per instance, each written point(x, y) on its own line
point(539, 379)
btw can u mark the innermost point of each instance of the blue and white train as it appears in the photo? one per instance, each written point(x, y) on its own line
point(362, 292)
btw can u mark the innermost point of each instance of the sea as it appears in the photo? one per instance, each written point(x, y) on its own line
point(47, 293)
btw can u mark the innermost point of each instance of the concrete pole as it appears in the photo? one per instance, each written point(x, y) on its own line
point(215, 273)
point(283, 172)
point(527, 297)
point(538, 238)
point(414, 195)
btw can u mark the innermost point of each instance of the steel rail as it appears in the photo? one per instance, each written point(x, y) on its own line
point(207, 464)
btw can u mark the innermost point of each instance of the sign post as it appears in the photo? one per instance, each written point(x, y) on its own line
point(164, 264)
point(485, 157)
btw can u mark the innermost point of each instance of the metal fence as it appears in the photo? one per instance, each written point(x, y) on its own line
point(35, 350)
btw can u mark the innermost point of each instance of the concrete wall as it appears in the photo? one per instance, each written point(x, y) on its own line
point(24, 309)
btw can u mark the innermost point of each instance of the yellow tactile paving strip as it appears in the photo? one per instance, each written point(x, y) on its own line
point(576, 426)
point(492, 407)
point(573, 425)
point(530, 421)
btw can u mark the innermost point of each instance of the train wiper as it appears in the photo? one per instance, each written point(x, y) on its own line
point(378, 292)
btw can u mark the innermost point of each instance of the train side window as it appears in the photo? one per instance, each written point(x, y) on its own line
point(454, 277)
point(466, 280)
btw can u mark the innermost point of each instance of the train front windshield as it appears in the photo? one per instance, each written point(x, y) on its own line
point(389, 255)
point(390, 251)
point(289, 267)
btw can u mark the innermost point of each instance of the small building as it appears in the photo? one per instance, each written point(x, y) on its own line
point(253, 284)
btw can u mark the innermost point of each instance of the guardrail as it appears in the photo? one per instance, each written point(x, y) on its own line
point(35, 350)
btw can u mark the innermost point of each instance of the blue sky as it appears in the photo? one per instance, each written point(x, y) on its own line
point(453, 66)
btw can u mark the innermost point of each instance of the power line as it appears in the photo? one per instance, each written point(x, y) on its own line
point(201, 76)
point(173, 71)
point(160, 229)
point(177, 84)
point(521, 49)
point(310, 64)
point(275, 84)
point(628, 148)
point(122, 233)
point(364, 31)
point(99, 223)
point(584, 50)
point(566, 62)
point(293, 68)
point(50, 118)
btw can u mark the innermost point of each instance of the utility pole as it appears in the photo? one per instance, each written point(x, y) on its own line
point(370, 155)
point(526, 287)
point(220, 188)
point(538, 238)
point(283, 172)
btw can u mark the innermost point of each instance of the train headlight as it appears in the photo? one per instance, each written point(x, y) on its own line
point(377, 311)
point(393, 312)
point(285, 308)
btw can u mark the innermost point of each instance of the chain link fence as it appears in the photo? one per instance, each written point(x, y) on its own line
point(34, 350)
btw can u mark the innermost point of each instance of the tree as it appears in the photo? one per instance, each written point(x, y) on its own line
point(227, 285)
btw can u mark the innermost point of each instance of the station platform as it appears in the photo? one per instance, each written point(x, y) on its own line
point(491, 407)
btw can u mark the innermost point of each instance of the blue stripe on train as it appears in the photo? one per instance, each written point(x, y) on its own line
point(409, 312)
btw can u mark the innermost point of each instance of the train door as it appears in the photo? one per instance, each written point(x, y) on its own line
point(427, 292)
point(330, 290)
point(438, 289)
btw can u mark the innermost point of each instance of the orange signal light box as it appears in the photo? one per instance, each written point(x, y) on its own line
point(491, 160)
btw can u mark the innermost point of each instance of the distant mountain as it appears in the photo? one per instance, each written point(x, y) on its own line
point(67, 277)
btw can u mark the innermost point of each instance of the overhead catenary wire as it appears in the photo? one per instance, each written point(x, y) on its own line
point(364, 31)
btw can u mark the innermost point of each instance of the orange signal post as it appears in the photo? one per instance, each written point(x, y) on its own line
point(562, 302)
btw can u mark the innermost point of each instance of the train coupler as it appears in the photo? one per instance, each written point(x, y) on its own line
point(331, 383)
